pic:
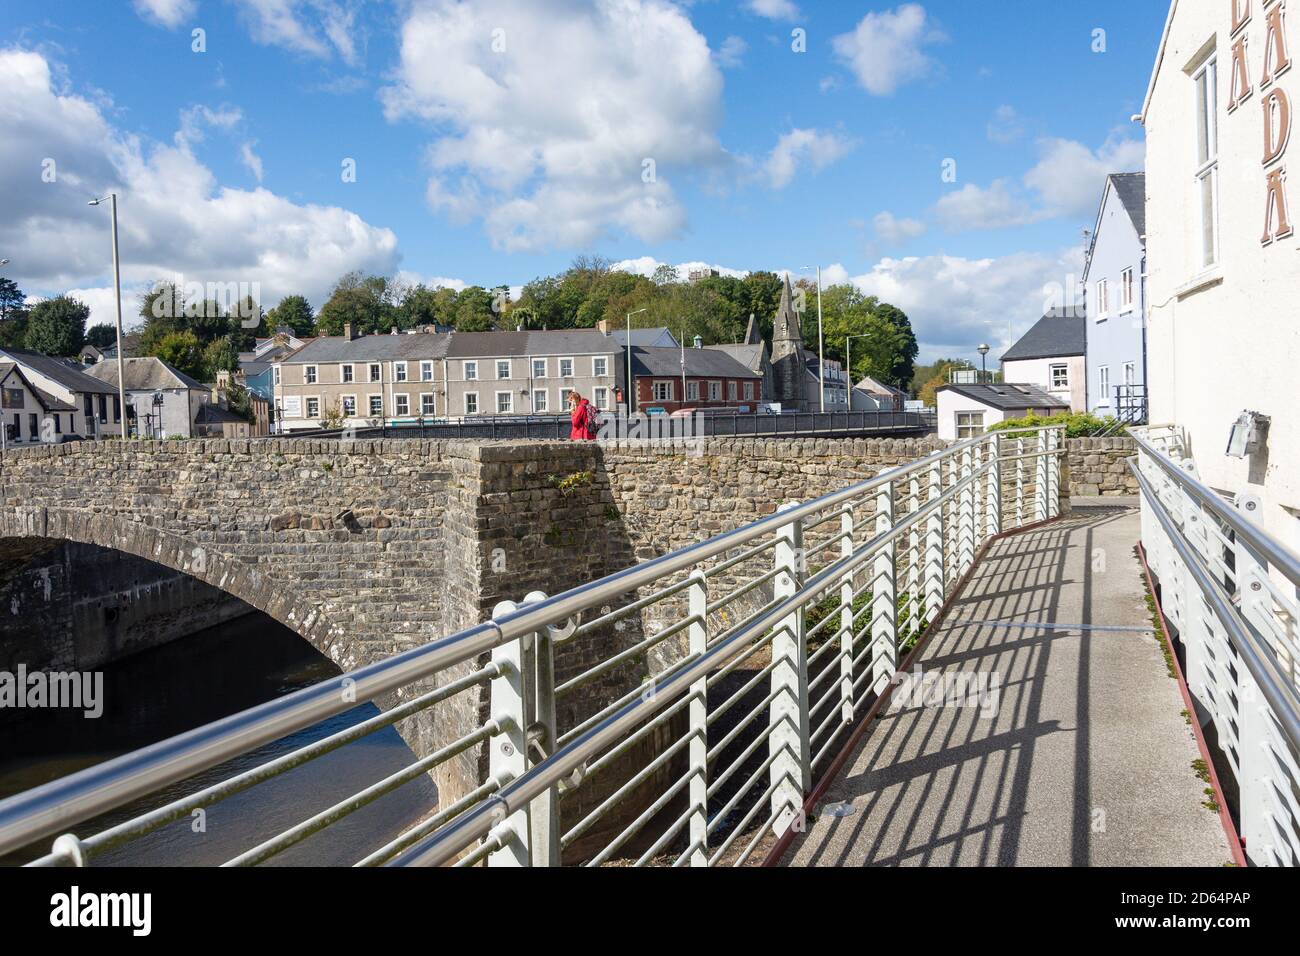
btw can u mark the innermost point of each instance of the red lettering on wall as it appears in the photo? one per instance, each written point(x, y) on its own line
point(1277, 219)
point(1276, 58)
point(1240, 14)
point(1241, 88)
point(1277, 124)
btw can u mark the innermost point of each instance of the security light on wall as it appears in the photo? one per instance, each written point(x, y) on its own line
point(1249, 435)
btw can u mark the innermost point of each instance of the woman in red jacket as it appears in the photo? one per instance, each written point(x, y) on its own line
point(582, 418)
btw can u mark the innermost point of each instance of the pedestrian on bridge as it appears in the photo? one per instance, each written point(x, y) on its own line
point(582, 418)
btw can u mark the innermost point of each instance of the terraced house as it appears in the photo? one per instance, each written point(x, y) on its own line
point(366, 380)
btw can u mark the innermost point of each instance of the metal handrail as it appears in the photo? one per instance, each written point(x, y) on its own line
point(1278, 554)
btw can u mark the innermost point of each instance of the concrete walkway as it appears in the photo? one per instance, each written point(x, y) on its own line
point(1080, 755)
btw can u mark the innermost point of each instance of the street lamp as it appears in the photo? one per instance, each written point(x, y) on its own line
point(117, 286)
point(984, 370)
point(848, 363)
point(821, 346)
point(629, 359)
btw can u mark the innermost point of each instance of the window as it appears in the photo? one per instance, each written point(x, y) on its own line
point(505, 403)
point(346, 374)
point(1126, 289)
point(733, 392)
point(375, 374)
point(14, 399)
point(970, 424)
point(566, 368)
point(564, 398)
point(58, 426)
point(471, 371)
point(539, 368)
point(1130, 373)
point(1103, 299)
point(1103, 384)
point(715, 391)
point(540, 397)
point(1060, 376)
point(426, 371)
point(376, 406)
point(399, 371)
point(401, 405)
point(749, 391)
point(313, 408)
point(503, 369)
point(349, 405)
point(33, 426)
point(471, 403)
point(117, 408)
point(1207, 158)
point(663, 391)
point(601, 397)
point(309, 374)
point(427, 404)
point(275, 372)
point(600, 367)
point(693, 391)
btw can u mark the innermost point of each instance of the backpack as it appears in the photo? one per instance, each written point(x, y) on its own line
point(591, 421)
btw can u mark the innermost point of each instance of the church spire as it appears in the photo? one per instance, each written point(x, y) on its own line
point(786, 325)
point(752, 334)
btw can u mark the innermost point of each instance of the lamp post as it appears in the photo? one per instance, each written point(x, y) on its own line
point(630, 398)
point(848, 364)
point(984, 370)
point(117, 287)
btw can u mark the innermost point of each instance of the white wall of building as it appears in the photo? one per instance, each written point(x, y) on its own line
point(1224, 338)
point(1039, 372)
point(950, 403)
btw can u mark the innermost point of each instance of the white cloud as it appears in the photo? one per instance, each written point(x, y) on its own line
point(168, 13)
point(174, 216)
point(646, 266)
point(407, 277)
point(1066, 181)
point(560, 150)
point(893, 230)
point(314, 27)
point(1006, 126)
point(250, 159)
point(803, 147)
point(774, 9)
point(732, 52)
point(885, 50)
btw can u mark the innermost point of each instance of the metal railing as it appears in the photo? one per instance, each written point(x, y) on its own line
point(1232, 593)
point(672, 713)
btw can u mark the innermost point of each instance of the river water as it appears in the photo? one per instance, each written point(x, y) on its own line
point(162, 692)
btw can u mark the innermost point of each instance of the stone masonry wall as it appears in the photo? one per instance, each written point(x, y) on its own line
point(1098, 466)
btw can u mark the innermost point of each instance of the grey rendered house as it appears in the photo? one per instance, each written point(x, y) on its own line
point(1115, 287)
point(79, 404)
point(162, 401)
point(531, 373)
point(369, 380)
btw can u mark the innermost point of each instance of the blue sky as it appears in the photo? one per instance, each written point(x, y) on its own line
point(487, 158)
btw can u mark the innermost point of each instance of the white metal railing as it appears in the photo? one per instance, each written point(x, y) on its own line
point(1232, 592)
point(671, 713)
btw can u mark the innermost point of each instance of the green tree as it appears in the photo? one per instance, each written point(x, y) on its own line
point(294, 312)
point(764, 297)
point(57, 326)
point(102, 335)
point(13, 314)
point(181, 350)
point(365, 301)
point(219, 355)
point(474, 310)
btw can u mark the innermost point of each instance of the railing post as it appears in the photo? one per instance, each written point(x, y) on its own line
point(697, 716)
point(1056, 445)
point(884, 597)
point(934, 586)
point(993, 512)
point(522, 701)
point(966, 514)
point(1020, 482)
point(791, 770)
point(1040, 479)
point(847, 625)
point(914, 558)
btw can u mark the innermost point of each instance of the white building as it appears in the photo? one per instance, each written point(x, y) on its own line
point(965, 411)
point(1224, 268)
point(1051, 355)
point(162, 401)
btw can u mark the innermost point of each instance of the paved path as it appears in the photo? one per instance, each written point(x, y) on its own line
point(1085, 760)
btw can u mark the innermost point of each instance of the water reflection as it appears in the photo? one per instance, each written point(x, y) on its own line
point(159, 693)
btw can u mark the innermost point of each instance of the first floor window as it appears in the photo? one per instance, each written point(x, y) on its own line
point(715, 391)
point(399, 371)
point(350, 406)
point(732, 391)
point(505, 403)
point(1103, 299)
point(601, 396)
point(1130, 373)
point(1060, 376)
point(345, 373)
point(471, 403)
point(426, 371)
point(1126, 289)
point(1103, 384)
point(749, 391)
point(693, 391)
point(600, 367)
point(313, 408)
point(503, 369)
point(376, 374)
point(970, 424)
point(427, 404)
point(402, 404)
point(663, 391)
point(539, 368)
point(376, 406)
point(309, 374)
point(566, 368)
point(471, 371)
point(1207, 158)
point(539, 400)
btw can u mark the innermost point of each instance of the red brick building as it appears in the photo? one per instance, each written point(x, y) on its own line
point(671, 380)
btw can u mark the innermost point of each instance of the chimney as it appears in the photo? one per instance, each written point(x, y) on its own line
point(699, 342)
point(393, 331)
point(603, 325)
point(347, 331)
